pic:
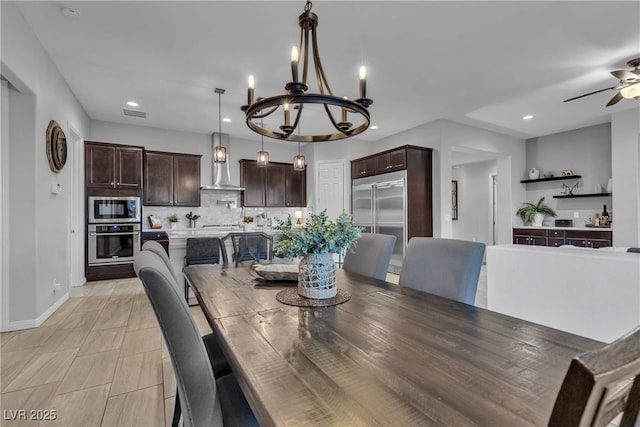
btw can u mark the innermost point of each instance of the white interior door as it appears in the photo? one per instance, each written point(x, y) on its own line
point(75, 226)
point(330, 188)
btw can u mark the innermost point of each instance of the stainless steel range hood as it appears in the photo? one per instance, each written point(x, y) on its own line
point(221, 175)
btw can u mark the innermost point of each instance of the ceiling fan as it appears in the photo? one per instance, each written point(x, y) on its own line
point(629, 86)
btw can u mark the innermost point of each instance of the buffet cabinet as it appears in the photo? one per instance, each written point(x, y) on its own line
point(562, 236)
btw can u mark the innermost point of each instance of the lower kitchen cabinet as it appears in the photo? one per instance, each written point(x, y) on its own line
point(159, 236)
point(562, 236)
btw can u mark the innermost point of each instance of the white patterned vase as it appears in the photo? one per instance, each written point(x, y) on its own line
point(317, 276)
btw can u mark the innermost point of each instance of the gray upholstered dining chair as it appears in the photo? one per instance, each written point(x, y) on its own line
point(202, 399)
point(601, 385)
point(370, 255)
point(446, 267)
point(158, 249)
point(216, 356)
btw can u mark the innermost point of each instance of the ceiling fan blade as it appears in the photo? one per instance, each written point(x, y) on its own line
point(623, 75)
point(592, 93)
point(618, 96)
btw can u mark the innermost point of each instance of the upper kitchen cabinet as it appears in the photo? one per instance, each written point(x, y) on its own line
point(171, 179)
point(376, 164)
point(275, 185)
point(111, 166)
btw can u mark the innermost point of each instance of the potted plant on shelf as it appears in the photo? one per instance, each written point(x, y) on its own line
point(173, 220)
point(535, 214)
point(316, 241)
point(248, 223)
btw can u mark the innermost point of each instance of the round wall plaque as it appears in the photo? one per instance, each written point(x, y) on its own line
point(56, 146)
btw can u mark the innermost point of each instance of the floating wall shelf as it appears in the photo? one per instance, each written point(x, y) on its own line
point(555, 178)
point(571, 196)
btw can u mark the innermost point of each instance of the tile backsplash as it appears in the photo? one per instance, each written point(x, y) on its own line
point(216, 208)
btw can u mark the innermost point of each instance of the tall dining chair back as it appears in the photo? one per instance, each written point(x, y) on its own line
point(201, 250)
point(158, 249)
point(198, 391)
point(600, 385)
point(371, 255)
point(446, 267)
point(251, 246)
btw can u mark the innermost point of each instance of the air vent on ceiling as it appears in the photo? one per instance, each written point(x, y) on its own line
point(134, 113)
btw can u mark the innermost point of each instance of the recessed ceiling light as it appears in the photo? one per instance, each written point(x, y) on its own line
point(132, 104)
point(527, 117)
point(226, 119)
point(374, 127)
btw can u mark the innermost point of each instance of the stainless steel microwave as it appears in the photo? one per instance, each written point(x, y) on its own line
point(114, 209)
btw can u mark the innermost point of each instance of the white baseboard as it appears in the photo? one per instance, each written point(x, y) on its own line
point(34, 323)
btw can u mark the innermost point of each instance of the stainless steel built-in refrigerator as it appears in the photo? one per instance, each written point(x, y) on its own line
point(379, 205)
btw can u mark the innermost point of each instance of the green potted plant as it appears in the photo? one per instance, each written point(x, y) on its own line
point(316, 241)
point(248, 223)
point(173, 220)
point(535, 214)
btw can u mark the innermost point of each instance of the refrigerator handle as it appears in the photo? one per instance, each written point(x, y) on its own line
point(373, 208)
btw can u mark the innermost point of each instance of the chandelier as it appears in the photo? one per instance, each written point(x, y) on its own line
point(296, 97)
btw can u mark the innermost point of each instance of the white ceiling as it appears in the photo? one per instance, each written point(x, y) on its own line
point(482, 63)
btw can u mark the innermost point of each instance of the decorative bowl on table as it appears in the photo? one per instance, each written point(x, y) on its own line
point(276, 271)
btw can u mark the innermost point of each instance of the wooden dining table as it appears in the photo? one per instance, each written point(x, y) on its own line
point(390, 356)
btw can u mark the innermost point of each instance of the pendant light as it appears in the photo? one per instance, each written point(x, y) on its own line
point(263, 156)
point(298, 161)
point(220, 152)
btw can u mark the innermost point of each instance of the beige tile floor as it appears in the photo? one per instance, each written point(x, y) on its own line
point(99, 360)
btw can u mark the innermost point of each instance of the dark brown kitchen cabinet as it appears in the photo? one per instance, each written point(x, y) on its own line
point(556, 237)
point(387, 161)
point(113, 166)
point(159, 236)
point(275, 185)
point(526, 236)
point(171, 179)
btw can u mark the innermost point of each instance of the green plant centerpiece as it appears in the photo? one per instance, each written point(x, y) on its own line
point(316, 241)
point(173, 218)
point(535, 214)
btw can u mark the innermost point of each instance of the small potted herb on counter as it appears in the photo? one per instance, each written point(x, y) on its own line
point(173, 220)
point(248, 223)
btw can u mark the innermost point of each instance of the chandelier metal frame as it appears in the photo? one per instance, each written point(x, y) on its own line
point(297, 97)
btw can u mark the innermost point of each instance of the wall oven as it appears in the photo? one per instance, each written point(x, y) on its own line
point(109, 244)
point(113, 209)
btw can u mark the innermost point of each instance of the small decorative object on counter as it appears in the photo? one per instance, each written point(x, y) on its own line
point(316, 241)
point(548, 174)
point(173, 219)
point(192, 219)
point(155, 222)
point(248, 223)
point(534, 173)
point(604, 219)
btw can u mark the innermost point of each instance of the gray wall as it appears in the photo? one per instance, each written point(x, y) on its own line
point(39, 230)
point(585, 151)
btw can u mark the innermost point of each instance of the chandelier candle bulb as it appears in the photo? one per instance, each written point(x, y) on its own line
point(286, 114)
point(363, 82)
point(250, 90)
point(294, 63)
